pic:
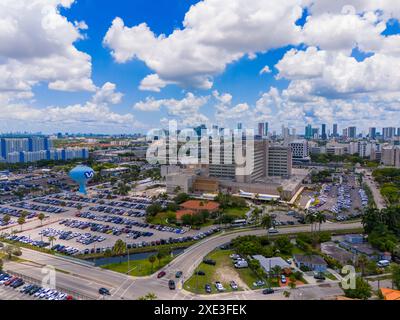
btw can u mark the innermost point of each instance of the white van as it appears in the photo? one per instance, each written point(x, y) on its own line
point(241, 264)
point(383, 263)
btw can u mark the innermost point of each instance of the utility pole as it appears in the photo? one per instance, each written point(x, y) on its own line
point(129, 266)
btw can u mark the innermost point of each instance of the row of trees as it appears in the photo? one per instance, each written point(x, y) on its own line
point(22, 219)
point(383, 227)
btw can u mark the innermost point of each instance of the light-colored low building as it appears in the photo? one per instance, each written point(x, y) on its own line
point(180, 181)
point(391, 156)
point(268, 264)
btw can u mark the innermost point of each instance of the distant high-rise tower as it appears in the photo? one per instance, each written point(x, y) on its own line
point(388, 133)
point(261, 129)
point(308, 132)
point(266, 128)
point(335, 130)
point(323, 132)
point(372, 133)
point(239, 126)
point(352, 132)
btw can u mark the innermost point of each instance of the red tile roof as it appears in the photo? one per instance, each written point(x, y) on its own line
point(199, 205)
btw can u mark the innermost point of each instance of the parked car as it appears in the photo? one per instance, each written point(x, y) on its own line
point(383, 263)
point(219, 286)
point(210, 262)
point(208, 288)
point(283, 279)
point(200, 273)
point(319, 276)
point(241, 264)
point(234, 286)
point(258, 283)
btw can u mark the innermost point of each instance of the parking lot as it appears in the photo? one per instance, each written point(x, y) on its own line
point(285, 218)
point(84, 225)
point(13, 287)
point(343, 200)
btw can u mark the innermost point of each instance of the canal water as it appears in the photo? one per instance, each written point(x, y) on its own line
point(132, 257)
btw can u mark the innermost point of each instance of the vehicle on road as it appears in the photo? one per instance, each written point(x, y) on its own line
point(178, 274)
point(273, 231)
point(104, 292)
point(171, 285)
point(268, 291)
point(161, 274)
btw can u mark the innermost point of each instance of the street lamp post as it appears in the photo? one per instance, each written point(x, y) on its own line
point(127, 250)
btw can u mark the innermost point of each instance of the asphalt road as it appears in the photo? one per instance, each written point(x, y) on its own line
point(86, 280)
point(379, 201)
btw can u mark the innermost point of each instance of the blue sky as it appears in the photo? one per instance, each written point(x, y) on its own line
point(325, 63)
point(242, 77)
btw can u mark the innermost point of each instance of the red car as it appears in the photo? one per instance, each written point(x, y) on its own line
point(161, 274)
point(7, 283)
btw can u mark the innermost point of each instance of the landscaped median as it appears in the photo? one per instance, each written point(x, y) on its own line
point(140, 268)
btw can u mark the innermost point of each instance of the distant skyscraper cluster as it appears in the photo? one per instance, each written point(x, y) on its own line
point(33, 149)
point(263, 129)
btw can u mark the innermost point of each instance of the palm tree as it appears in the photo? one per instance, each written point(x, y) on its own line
point(21, 220)
point(119, 248)
point(276, 271)
point(41, 217)
point(6, 219)
point(362, 261)
point(310, 218)
point(52, 239)
point(149, 296)
point(266, 222)
point(292, 285)
point(160, 255)
point(24, 214)
point(9, 251)
point(256, 215)
point(320, 218)
point(152, 259)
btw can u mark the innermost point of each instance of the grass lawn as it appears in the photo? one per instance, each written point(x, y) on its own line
point(330, 276)
point(139, 268)
point(223, 268)
point(296, 250)
point(239, 213)
point(161, 218)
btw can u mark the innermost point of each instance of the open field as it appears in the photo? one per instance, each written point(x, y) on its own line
point(223, 271)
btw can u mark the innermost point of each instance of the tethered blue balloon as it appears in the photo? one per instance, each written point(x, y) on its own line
point(81, 175)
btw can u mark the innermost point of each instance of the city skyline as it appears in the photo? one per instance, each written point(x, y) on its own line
point(95, 68)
